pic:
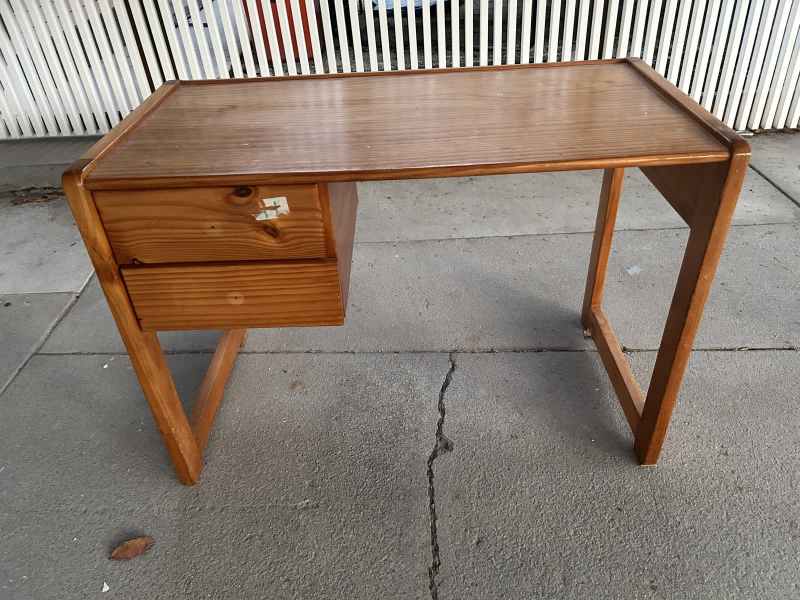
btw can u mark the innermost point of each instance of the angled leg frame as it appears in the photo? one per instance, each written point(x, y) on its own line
point(705, 196)
point(185, 437)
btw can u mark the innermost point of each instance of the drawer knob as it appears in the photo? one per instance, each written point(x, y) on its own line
point(243, 191)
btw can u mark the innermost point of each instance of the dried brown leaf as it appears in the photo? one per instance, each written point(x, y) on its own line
point(132, 548)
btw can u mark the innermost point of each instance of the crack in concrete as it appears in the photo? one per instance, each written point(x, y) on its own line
point(510, 350)
point(774, 184)
point(441, 445)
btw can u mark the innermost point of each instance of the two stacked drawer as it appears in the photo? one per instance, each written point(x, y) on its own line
point(233, 257)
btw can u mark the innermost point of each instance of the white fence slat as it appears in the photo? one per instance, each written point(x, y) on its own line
point(341, 28)
point(257, 32)
point(743, 61)
point(16, 113)
point(199, 38)
point(792, 85)
point(185, 36)
point(652, 31)
point(65, 90)
point(469, 50)
point(231, 41)
point(411, 19)
point(538, 40)
point(704, 54)
point(569, 23)
point(794, 111)
point(597, 24)
point(497, 34)
point(19, 62)
point(300, 36)
point(455, 44)
point(30, 55)
point(638, 28)
point(98, 91)
point(525, 33)
point(151, 23)
point(369, 16)
point(611, 25)
point(176, 49)
point(782, 70)
point(484, 31)
point(728, 67)
point(8, 122)
point(690, 54)
point(100, 67)
point(400, 52)
point(426, 33)
point(717, 54)
point(625, 28)
point(89, 64)
point(316, 48)
point(555, 21)
point(286, 36)
point(327, 31)
point(355, 35)
point(115, 54)
point(759, 52)
point(581, 37)
point(88, 105)
point(214, 33)
point(130, 49)
point(441, 36)
point(243, 36)
point(667, 31)
point(386, 49)
point(679, 40)
point(511, 33)
point(770, 62)
point(143, 32)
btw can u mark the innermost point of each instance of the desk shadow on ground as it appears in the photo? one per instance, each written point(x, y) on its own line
point(553, 386)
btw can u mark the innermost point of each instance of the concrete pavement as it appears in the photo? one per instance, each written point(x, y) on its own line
point(316, 482)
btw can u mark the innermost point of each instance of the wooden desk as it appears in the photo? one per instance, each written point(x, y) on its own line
point(231, 204)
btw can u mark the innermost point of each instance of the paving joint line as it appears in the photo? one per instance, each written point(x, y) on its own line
point(39, 343)
point(441, 445)
point(776, 186)
point(48, 332)
point(559, 233)
point(532, 350)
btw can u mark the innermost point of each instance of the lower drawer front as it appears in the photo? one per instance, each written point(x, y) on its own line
point(224, 296)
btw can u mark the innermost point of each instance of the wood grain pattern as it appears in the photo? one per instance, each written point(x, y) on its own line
point(236, 295)
point(143, 347)
point(722, 132)
point(213, 387)
point(601, 243)
point(689, 186)
point(343, 202)
point(325, 130)
point(619, 371)
point(358, 128)
point(121, 129)
point(710, 224)
point(211, 224)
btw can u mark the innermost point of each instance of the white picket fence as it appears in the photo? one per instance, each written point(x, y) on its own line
point(76, 67)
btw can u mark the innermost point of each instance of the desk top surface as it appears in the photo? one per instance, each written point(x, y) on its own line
point(408, 124)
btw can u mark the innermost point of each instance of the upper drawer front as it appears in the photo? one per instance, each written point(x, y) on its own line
point(213, 224)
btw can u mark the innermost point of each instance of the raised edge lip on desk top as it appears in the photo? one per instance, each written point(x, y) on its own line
point(727, 138)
